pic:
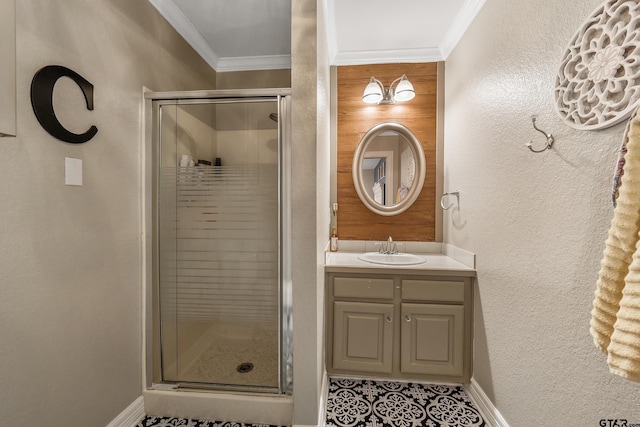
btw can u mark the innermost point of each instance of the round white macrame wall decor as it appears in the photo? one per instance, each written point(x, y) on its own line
point(598, 82)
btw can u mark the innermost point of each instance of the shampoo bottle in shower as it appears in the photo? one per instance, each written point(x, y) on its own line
point(334, 239)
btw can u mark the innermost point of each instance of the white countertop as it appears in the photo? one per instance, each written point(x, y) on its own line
point(435, 263)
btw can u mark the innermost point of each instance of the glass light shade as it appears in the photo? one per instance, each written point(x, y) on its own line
point(404, 90)
point(372, 93)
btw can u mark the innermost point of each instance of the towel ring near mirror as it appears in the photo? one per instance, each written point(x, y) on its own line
point(451, 204)
point(547, 135)
point(409, 165)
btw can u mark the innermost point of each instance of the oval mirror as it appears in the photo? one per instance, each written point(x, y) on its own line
point(388, 168)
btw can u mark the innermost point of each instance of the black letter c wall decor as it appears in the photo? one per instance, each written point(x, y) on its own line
point(42, 102)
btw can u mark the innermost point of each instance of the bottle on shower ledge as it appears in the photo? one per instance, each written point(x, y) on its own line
point(334, 240)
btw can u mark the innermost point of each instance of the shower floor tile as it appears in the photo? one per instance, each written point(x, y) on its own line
point(150, 421)
point(367, 403)
point(219, 362)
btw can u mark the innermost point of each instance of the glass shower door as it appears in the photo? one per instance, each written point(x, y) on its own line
point(218, 228)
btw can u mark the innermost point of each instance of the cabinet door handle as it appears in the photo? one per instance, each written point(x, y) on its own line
point(389, 319)
point(407, 318)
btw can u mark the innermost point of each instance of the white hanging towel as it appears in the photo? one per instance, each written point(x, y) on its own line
point(615, 321)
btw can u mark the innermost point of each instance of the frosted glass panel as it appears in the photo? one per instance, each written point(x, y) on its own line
point(218, 218)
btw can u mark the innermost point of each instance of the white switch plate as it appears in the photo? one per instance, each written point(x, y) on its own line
point(72, 171)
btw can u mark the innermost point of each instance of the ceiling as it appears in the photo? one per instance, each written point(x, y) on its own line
point(234, 35)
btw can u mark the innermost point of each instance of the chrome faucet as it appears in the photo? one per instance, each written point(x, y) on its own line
point(388, 248)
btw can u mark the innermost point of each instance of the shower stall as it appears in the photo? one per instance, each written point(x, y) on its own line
point(220, 288)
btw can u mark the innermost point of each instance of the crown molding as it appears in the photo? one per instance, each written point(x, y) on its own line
point(388, 56)
point(248, 63)
point(330, 30)
point(185, 28)
point(461, 23)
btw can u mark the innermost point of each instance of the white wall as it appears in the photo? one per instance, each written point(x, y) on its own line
point(239, 147)
point(537, 222)
point(70, 264)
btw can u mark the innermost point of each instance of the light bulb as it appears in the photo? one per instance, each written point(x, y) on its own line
point(404, 90)
point(372, 93)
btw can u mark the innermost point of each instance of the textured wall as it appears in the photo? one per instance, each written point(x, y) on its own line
point(308, 241)
point(537, 222)
point(323, 176)
point(70, 267)
point(253, 79)
point(8, 68)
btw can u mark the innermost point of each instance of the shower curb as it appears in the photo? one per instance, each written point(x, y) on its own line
point(239, 407)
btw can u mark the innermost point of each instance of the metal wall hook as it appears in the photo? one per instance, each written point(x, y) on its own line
point(547, 135)
point(453, 193)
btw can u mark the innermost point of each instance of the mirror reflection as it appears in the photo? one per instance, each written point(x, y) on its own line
point(388, 168)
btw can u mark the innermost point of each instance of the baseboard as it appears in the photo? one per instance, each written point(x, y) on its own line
point(131, 416)
point(490, 413)
point(324, 394)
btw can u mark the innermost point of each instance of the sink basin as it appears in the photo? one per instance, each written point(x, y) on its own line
point(392, 259)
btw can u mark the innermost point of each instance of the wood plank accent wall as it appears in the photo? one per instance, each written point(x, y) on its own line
point(355, 118)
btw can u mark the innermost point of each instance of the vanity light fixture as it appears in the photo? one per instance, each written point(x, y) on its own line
point(376, 93)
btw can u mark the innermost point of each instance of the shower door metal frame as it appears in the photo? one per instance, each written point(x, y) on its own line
point(150, 187)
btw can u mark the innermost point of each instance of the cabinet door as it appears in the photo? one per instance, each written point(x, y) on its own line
point(432, 339)
point(362, 336)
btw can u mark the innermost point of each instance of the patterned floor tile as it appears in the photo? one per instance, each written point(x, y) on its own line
point(368, 403)
point(150, 421)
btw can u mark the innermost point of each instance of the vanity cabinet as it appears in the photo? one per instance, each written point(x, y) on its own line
point(363, 336)
point(405, 326)
point(432, 339)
